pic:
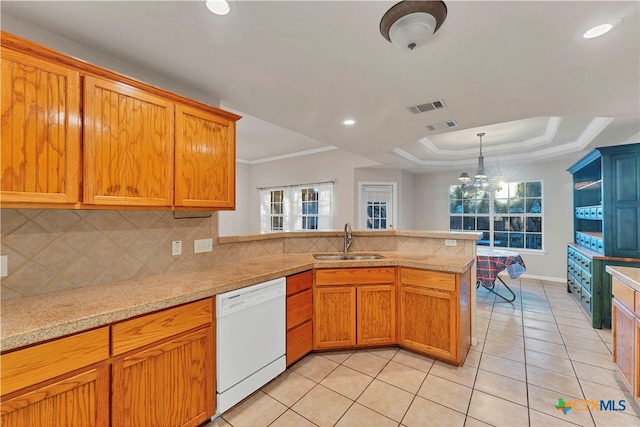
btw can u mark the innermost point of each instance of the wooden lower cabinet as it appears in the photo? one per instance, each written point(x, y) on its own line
point(164, 370)
point(435, 313)
point(171, 384)
point(61, 382)
point(354, 306)
point(299, 316)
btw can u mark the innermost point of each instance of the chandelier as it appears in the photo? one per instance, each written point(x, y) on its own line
point(409, 24)
point(481, 181)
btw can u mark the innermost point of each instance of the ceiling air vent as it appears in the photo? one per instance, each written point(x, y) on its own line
point(449, 124)
point(427, 106)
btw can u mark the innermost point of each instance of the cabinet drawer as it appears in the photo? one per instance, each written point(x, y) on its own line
point(299, 282)
point(138, 332)
point(299, 342)
point(353, 276)
point(29, 366)
point(299, 308)
point(428, 279)
point(584, 298)
point(623, 293)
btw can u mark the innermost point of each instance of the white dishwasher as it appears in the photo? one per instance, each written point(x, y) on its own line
point(250, 340)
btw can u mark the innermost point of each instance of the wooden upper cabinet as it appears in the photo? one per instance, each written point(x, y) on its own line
point(205, 159)
point(40, 108)
point(128, 145)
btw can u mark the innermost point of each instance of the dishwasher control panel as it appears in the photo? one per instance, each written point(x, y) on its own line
point(241, 299)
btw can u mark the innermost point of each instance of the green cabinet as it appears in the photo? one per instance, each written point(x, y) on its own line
point(606, 203)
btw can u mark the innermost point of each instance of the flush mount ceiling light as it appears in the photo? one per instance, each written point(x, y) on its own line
point(602, 29)
point(409, 24)
point(348, 122)
point(219, 7)
point(481, 181)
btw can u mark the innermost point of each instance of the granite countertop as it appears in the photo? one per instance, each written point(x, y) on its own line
point(29, 320)
point(630, 276)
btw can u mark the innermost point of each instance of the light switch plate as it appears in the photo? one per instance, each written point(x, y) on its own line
point(202, 245)
point(450, 242)
point(176, 247)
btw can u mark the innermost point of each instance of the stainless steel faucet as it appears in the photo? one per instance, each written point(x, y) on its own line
point(348, 237)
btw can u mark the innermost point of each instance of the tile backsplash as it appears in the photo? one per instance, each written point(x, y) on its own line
point(51, 250)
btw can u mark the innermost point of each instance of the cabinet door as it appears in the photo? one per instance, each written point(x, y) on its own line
point(128, 146)
point(81, 400)
point(334, 321)
point(40, 107)
point(623, 342)
point(429, 322)
point(376, 315)
point(205, 159)
point(171, 384)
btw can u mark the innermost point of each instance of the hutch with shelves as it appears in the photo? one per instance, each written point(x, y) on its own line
point(606, 224)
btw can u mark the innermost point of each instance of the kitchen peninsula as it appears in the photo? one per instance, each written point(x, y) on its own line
point(141, 314)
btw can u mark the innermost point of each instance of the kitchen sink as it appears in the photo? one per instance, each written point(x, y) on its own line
point(346, 257)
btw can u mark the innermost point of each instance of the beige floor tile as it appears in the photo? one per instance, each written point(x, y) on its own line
point(540, 310)
point(359, 415)
point(597, 346)
point(473, 358)
point(542, 335)
point(507, 327)
point(500, 386)
point(289, 387)
point(322, 406)
point(366, 362)
point(257, 410)
point(404, 377)
point(497, 411)
point(413, 360)
point(218, 422)
point(505, 338)
point(336, 356)
point(595, 374)
point(424, 412)
point(386, 399)
point(533, 315)
point(481, 313)
point(579, 332)
point(507, 318)
point(504, 350)
point(547, 361)
point(292, 419)
point(472, 422)
point(555, 381)
point(540, 419)
point(561, 320)
point(606, 335)
point(539, 324)
point(618, 419)
point(315, 367)
point(596, 391)
point(465, 375)
point(347, 382)
point(591, 358)
point(544, 400)
point(546, 347)
point(385, 352)
point(445, 392)
point(502, 366)
point(507, 308)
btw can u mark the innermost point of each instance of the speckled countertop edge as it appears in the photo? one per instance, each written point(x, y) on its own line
point(30, 320)
point(630, 276)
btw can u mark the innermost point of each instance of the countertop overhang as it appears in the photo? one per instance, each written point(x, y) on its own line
point(31, 320)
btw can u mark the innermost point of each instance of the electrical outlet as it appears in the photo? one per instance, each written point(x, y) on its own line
point(176, 247)
point(202, 245)
point(450, 242)
point(3, 266)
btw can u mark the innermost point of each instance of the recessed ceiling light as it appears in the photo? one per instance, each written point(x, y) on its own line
point(219, 7)
point(601, 29)
point(349, 122)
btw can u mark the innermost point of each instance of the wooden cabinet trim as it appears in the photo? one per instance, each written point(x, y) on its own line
point(299, 282)
point(135, 333)
point(355, 276)
point(32, 365)
point(427, 278)
point(624, 294)
point(299, 308)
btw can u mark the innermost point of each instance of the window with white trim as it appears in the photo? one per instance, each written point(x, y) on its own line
point(297, 208)
point(511, 217)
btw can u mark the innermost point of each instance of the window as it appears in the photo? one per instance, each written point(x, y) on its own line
point(510, 217)
point(299, 207)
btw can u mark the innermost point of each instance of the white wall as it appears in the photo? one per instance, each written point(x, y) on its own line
point(331, 165)
point(68, 47)
point(232, 223)
point(432, 199)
